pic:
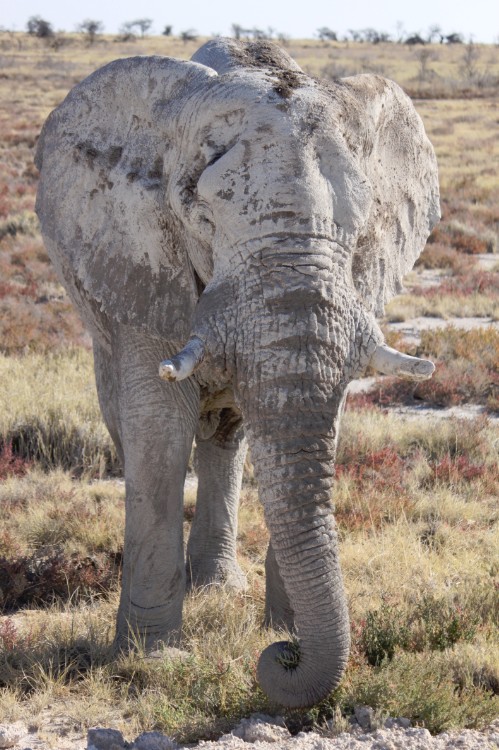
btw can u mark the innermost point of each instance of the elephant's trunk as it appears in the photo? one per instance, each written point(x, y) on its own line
point(290, 339)
point(295, 476)
point(292, 366)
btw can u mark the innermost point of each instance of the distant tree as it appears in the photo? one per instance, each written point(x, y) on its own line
point(434, 33)
point(237, 30)
point(327, 34)
point(258, 33)
point(415, 39)
point(90, 28)
point(423, 56)
point(189, 36)
point(38, 26)
point(400, 36)
point(454, 38)
point(127, 34)
point(468, 67)
point(356, 35)
point(167, 31)
point(144, 24)
point(369, 35)
point(128, 28)
point(375, 37)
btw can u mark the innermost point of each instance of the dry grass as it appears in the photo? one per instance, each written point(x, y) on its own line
point(441, 75)
point(49, 412)
point(467, 371)
point(442, 304)
point(35, 313)
point(419, 540)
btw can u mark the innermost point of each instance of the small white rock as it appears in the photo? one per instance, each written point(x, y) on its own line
point(400, 722)
point(104, 739)
point(419, 732)
point(256, 730)
point(10, 734)
point(364, 715)
point(154, 741)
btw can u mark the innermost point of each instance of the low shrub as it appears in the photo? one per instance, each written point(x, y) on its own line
point(23, 223)
point(10, 464)
point(467, 371)
point(49, 413)
point(462, 238)
point(438, 624)
point(383, 467)
point(441, 256)
point(51, 574)
point(464, 285)
point(433, 624)
point(454, 469)
point(423, 688)
point(380, 634)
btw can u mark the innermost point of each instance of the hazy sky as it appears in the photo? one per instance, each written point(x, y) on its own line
point(297, 18)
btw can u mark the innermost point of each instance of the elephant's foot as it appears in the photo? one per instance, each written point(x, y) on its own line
point(147, 629)
point(145, 641)
point(215, 572)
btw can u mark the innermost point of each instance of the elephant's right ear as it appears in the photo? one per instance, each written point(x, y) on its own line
point(101, 199)
point(389, 142)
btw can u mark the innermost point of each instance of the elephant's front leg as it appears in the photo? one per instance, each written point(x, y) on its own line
point(219, 462)
point(158, 421)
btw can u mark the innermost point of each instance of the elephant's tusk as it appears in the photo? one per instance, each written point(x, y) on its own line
point(391, 362)
point(183, 364)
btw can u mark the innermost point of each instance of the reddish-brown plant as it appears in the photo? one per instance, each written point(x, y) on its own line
point(10, 464)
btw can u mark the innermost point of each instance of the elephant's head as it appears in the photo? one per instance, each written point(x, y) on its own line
point(238, 203)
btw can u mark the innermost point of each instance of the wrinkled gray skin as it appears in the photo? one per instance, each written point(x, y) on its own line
point(235, 200)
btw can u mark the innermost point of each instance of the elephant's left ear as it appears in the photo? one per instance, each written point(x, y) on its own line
point(102, 198)
point(399, 163)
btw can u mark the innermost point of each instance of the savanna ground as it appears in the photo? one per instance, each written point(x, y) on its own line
point(416, 498)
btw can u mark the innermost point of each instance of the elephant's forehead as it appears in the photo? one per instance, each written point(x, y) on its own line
point(252, 99)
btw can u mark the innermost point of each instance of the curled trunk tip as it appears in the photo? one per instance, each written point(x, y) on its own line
point(299, 677)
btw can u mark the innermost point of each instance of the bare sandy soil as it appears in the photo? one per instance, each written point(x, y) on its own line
point(411, 329)
point(262, 733)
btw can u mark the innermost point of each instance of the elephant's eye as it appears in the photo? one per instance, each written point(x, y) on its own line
point(216, 157)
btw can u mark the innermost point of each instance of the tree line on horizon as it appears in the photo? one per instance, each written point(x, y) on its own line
point(130, 30)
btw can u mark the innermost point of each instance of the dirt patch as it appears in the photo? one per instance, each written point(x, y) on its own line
point(265, 733)
point(263, 54)
point(411, 329)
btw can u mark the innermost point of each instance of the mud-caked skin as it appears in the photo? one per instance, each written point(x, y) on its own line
point(234, 203)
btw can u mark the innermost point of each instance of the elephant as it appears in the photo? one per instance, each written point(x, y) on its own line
point(240, 225)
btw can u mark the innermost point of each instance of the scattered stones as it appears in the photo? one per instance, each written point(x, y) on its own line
point(267, 733)
point(364, 716)
point(400, 722)
point(105, 739)
point(261, 728)
point(154, 741)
